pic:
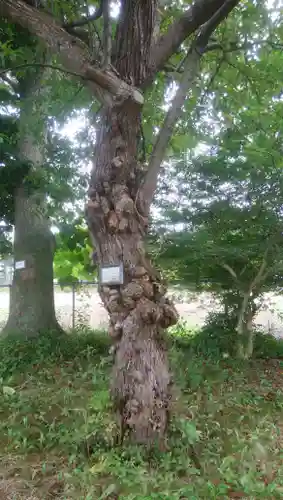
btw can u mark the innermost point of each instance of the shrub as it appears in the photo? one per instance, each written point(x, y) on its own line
point(214, 339)
point(218, 339)
point(17, 354)
point(181, 335)
point(266, 346)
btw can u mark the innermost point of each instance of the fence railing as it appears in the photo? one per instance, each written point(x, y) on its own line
point(74, 287)
point(76, 303)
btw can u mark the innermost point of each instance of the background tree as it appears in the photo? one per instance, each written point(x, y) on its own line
point(221, 210)
point(28, 145)
point(31, 297)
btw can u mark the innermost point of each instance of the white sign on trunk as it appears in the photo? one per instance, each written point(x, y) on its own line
point(112, 275)
point(20, 264)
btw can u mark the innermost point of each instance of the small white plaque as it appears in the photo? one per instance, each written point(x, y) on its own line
point(112, 275)
point(20, 264)
point(6, 272)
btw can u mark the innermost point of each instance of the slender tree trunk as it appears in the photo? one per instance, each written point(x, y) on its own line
point(246, 342)
point(31, 297)
point(245, 329)
point(249, 334)
point(138, 310)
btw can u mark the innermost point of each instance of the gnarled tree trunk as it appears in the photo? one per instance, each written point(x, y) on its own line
point(32, 294)
point(138, 310)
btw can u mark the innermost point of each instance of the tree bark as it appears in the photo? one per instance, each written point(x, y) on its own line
point(32, 295)
point(167, 44)
point(75, 55)
point(245, 328)
point(246, 337)
point(247, 310)
point(249, 334)
point(138, 310)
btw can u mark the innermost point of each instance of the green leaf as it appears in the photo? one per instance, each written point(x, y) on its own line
point(8, 391)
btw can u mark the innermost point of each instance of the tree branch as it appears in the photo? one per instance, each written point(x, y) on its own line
point(14, 85)
point(230, 270)
point(86, 20)
point(107, 38)
point(191, 68)
point(196, 16)
point(260, 273)
point(105, 85)
point(36, 65)
point(234, 47)
point(211, 80)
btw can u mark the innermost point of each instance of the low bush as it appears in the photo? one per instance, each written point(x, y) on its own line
point(218, 339)
point(266, 346)
point(17, 354)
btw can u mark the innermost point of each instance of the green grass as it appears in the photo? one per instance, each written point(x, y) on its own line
point(54, 396)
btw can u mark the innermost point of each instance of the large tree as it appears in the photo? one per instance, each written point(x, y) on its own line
point(33, 159)
point(31, 296)
point(145, 37)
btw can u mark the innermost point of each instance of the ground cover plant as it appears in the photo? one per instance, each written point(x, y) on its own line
point(58, 432)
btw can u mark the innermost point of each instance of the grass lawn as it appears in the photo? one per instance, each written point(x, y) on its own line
point(57, 431)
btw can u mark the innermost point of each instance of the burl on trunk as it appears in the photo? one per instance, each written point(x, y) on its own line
point(138, 309)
